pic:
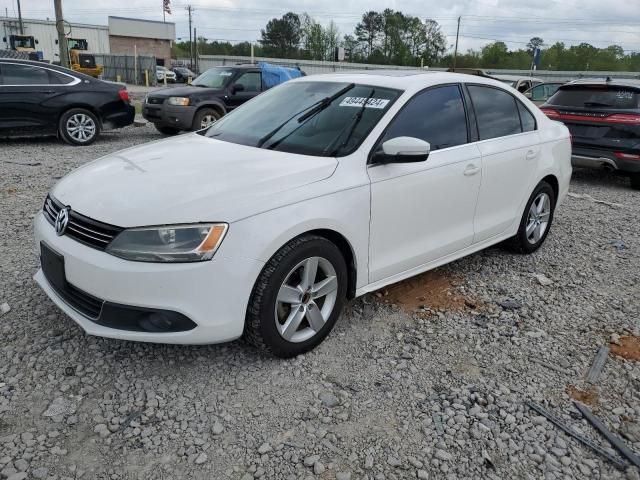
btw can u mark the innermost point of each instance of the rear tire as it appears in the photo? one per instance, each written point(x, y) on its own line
point(204, 118)
point(536, 220)
point(297, 298)
point(166, 130)
point(634, 178)
point(79, 126)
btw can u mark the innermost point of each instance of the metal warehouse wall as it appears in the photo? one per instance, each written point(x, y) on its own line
point(46, 34)
point(314, 66)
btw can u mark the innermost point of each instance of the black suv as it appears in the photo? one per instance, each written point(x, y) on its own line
point(603, 117)
point(209, 97)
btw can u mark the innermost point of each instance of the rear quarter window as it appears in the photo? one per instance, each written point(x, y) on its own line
point(597, 96)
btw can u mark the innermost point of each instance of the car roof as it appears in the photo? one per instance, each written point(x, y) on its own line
point(50, 66)
point(619, 82)
point(400, 79)
point(515, 78)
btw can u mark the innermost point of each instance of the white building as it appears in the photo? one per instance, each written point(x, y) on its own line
point(46, 35)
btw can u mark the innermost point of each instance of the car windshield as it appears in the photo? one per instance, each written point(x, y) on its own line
point(597, 96)
point(307, 118)
point(213, 78)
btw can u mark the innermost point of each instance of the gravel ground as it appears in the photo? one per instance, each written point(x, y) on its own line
point(391, 394)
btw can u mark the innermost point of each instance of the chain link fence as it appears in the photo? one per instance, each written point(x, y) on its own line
point(130, 68)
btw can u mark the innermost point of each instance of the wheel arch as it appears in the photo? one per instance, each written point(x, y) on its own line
point(84, 106)
point(555, 185)
point(346, 249)
point(219, 107)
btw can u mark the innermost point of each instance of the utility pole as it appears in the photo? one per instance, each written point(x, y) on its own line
point(20, 19)
point(455, 52)
point(189, 9)
point(62, 39)
point(195, 49)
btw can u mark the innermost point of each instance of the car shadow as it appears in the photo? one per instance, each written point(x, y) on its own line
point(600, 177)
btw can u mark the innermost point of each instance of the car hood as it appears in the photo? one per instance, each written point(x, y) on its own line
point(182, 91)
point(187, 179)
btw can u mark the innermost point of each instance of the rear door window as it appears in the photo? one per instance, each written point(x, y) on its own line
point(16, 74)
point(526, 118)
point(496, 112)
point(597, 96)
point(435, 115)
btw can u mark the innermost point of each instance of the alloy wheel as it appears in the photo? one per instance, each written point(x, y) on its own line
point(538, 218)
point(207, 121)
point(81, 127)
point(306, 299)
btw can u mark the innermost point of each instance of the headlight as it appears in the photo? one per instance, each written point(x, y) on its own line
point(173, 243)
point(184, 101)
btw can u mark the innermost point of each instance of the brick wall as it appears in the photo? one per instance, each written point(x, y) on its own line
point(161, 49)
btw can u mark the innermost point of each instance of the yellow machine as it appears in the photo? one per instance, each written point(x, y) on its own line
point(80, 61)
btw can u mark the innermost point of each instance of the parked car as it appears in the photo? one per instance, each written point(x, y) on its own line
point(542, 92)
point(183, 74)
point(164, 72)
point(210, 96)
point(520, 83)
point(603, 117)
point(321, 189)
point(43, 99)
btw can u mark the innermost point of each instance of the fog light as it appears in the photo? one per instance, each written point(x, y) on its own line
point(156, 322)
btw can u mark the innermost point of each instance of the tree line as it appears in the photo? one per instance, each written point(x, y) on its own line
point(391, 37)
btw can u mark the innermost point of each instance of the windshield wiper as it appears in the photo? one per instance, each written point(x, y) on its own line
point(315, 108)
point(352, 128)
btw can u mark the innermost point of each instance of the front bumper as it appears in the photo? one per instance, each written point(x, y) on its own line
point(600, 158)
point(173, 116)
point(212, 294)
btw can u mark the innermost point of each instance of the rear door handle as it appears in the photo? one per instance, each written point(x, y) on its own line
point(531, 154)
point(471, 170)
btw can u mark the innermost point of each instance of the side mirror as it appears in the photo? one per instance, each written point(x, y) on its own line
point(527, 94)
point(238, 87)
point(402, 150)
point(37, 42)
point(4, 39)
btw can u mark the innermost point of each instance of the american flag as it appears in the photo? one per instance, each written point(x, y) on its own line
point(167, 6)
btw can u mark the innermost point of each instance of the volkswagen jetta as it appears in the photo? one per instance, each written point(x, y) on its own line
point(321, 189)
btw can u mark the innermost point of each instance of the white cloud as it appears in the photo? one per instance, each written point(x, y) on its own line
point(571, 21)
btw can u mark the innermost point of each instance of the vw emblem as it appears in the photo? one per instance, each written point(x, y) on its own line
point(62, 220)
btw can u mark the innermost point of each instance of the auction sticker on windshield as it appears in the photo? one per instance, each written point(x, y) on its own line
point(359, 101)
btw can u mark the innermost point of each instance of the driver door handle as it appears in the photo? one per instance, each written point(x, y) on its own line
point(531, 154)
point(471, 169)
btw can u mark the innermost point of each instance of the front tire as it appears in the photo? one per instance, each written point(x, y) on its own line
point(297, 298)
point(204, 118)
point(536, 220)
point(79, 126)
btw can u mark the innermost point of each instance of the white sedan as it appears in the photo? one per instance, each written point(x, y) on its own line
point(322, 189)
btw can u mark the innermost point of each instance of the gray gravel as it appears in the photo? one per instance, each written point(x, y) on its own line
point(387, 396)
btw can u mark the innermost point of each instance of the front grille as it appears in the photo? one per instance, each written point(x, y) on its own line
point(155, 100)
point(85, 230)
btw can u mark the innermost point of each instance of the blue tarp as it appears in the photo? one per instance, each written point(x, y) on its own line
point(273, 75)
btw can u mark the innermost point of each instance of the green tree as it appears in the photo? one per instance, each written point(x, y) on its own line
point(368, 30)
point(535, 42)
point(281, 37)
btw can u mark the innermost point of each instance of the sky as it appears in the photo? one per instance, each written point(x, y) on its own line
point(597, 22)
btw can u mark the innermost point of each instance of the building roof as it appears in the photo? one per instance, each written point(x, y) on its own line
point(51, 22)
